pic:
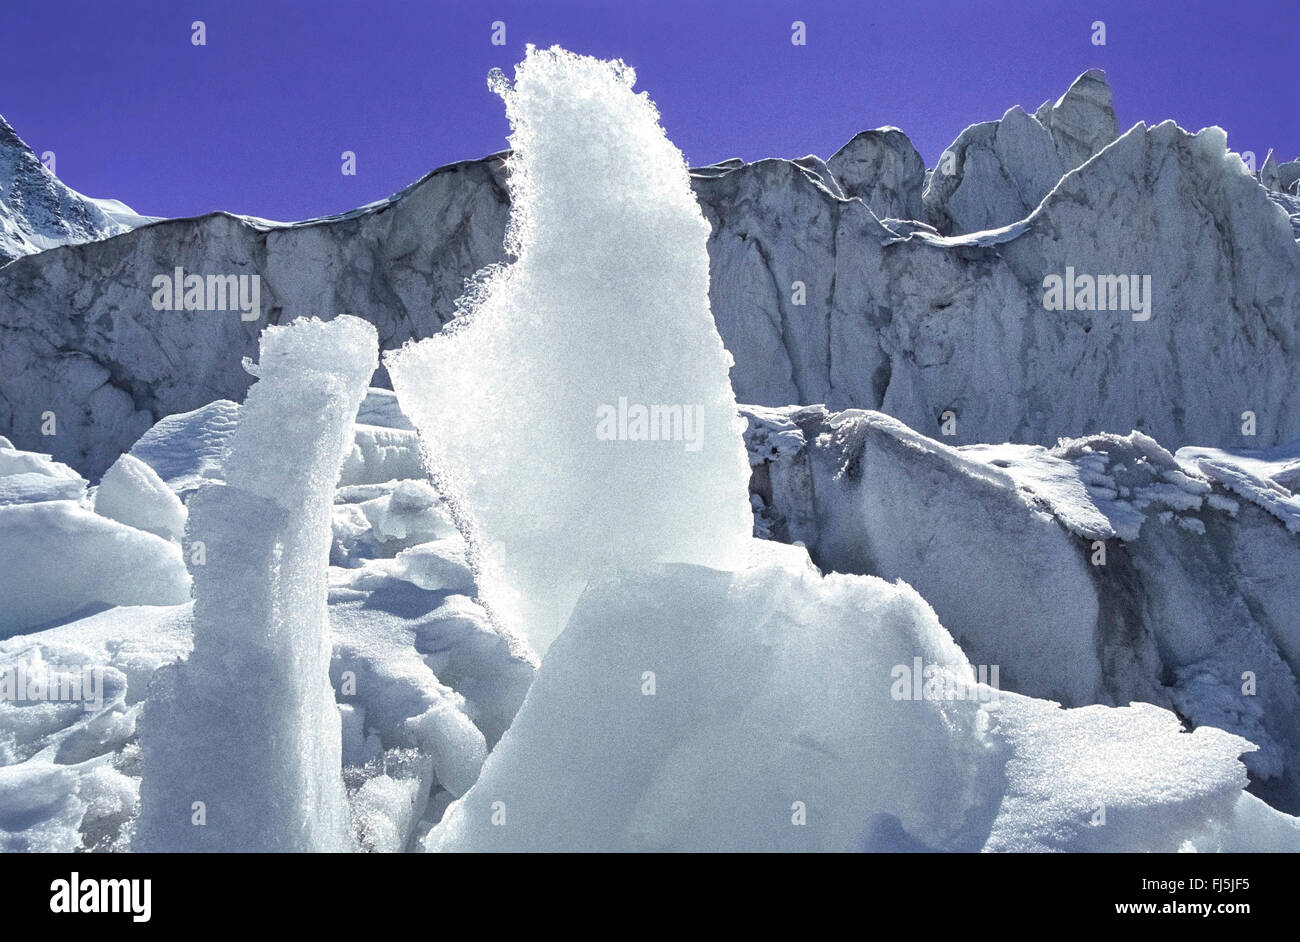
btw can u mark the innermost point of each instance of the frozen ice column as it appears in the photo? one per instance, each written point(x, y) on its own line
point(578, 414)
point(241, 743)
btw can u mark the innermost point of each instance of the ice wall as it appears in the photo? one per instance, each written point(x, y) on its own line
point(578, 413)
point(241, 743)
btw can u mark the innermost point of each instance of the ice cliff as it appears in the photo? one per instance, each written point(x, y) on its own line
point(825, 287)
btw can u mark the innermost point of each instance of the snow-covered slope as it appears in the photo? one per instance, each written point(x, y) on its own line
point(38, 211)
point(61, 553)
point(815, 297)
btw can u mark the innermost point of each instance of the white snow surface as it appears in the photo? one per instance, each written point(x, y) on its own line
point(27, 476)
point(1267, 478)
point(772, 725)
point(57, 557)
point(185, 450)
point(132, 493)
point(436, 683)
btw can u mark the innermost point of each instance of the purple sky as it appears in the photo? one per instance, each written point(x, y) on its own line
point(255, 121)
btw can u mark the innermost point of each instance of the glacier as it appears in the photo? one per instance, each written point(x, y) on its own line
point(1077, 527)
